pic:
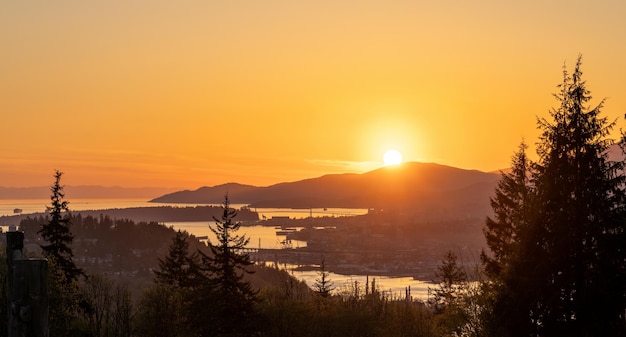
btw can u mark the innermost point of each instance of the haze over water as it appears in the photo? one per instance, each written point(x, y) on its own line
point(7, 207)
point(260, 236)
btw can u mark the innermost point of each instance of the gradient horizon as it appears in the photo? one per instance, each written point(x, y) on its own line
point(202, 93)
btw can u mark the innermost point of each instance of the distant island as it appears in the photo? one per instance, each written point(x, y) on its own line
point(148, 214)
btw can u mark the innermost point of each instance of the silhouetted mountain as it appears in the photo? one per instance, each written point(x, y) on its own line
point(417, 186)
point(208, 195)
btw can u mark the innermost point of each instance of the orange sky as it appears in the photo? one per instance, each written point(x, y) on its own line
point(193, 93)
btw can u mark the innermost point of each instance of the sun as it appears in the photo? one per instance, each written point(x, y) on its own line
point(392, 157)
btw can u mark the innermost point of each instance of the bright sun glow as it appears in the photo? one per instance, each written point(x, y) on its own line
point(392, 157)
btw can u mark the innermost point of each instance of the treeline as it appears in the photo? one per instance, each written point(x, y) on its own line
point(108, 245)
point(178, 305)
point(107, 305)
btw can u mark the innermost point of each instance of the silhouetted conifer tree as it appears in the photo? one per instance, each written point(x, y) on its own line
point(229, 299)
point(63, 273)
point(510, 206)
point(58, 234)
point(568, 276)
point(323, 285)
point(512, 214)
point(179, 268)
point(451, 280)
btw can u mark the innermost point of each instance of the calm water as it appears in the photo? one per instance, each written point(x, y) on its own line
point(28, 206)
point(266, 237)
point(260, 237)
point(395, 287)
point(308, 212)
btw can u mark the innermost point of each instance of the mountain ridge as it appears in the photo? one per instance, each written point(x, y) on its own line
point(412, 185)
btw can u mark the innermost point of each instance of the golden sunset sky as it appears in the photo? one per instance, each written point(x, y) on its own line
point(193, 93)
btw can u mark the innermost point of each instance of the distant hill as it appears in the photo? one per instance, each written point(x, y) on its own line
point(417, 186)
point(83, 192)
point(208, 195)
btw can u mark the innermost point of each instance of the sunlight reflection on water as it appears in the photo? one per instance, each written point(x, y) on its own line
point(260, 236)
point(267, 238)
point(394, 287)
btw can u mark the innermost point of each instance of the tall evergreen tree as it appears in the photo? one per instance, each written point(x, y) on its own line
point(568, 276)
point(323, 285)
point(177, 288)
point(504, 233)
point(58, 234)
point(451, 280)
point(179, 269)
point(510, 205)
point(231, 297)
point(581, 219)
point(63, 273)
point(448, 299)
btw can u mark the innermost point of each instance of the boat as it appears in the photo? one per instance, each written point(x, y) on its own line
point(17, 211)
point(285, 231)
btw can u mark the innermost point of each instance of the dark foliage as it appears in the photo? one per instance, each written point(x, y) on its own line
point(510, 205)
point(227, 298)
point(3, 290)
point(163, 312)
point(57, 233)
point(559, 268)
point(288, 310)
point(451, 281)
point(180, 268)
point(323, 285)
point(63, 273)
